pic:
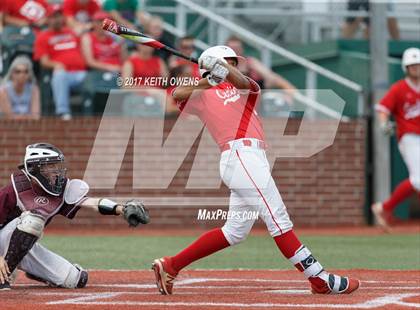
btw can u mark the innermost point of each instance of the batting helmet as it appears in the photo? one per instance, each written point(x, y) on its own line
point(221, 52)
point(410, 57)
point(44, 163)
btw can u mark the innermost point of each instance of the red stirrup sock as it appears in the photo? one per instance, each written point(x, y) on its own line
point(208, 243)
point(401, 192)
point(300, 257)
point(288, 243)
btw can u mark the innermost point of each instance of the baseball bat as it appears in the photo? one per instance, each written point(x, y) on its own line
point(138, 37)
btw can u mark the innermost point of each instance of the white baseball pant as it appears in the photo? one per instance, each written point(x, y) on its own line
point(409, 146)
point(246, 171)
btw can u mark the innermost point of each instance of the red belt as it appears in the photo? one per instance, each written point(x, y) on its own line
point(246, 142)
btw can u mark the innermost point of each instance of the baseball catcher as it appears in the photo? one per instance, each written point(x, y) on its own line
point(38, 191)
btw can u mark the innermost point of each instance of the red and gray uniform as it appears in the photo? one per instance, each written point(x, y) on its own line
point(10, 209)
point(22, 196)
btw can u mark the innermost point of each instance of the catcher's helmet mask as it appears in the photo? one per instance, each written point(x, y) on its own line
point(45, 164)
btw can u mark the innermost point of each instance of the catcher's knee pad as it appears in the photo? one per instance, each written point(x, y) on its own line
point(23, 238)
point(77, 278)
point(31, 223)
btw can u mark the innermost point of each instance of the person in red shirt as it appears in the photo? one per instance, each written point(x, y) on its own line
point(58, 49)
point(143, 64)
point(142, 71)
point(79, 14)
point(226, 101)
point(25, 12)
point(186, 47)
point(260, 73)
point(101, 50)
point(1, 16)
point(403, 102)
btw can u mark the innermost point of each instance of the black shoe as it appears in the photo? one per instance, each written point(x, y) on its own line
point(5, 286)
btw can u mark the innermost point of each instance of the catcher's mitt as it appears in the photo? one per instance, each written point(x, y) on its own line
point(135, 213)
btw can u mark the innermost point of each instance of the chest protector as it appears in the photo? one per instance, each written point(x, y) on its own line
point(34, 199)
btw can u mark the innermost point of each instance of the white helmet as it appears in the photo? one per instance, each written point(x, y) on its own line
point(45, 164)
point(410, 57)
point(221, 52)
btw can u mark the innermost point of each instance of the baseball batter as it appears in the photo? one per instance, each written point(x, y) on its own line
point(38, 191)
point(403, 102)
point(226, 102)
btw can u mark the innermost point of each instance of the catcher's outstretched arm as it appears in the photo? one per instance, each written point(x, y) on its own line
point(134, 211)
point(105, 209)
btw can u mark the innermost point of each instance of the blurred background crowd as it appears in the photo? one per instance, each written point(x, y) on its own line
point(57, 60)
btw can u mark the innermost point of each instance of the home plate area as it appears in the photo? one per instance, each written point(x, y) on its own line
point(217, 289)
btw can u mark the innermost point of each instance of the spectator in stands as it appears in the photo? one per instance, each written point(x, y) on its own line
point(25, 13)
point(260, 73)
point(19, 93)
point(58, 49)
point(155, 28)
point(79, 14)
point(126, 12)
point(185, 46)
point(352, 24)
point(101, 50)
point(1, 16)
point(143, 64)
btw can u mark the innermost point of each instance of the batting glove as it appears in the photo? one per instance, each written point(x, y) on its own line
point(207, 62)
point(217, 75)
point(213, 81)
point(388, 128)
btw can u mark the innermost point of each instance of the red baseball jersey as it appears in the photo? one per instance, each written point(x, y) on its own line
point(106, 50)
point(29, 10)
point(146, 68)
point(403, 102)
point(81, 12)
point(228, 113)
point(62, 46)
point(195, 70)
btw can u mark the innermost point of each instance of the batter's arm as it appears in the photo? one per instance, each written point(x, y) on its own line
point(184, 92)
point(235, 77)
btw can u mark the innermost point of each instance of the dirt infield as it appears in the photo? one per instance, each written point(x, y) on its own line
point(217, 289)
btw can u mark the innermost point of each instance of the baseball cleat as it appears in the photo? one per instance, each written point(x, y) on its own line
point(380, 215)
point(336, 285)
point(165, 275)
point(5, 286)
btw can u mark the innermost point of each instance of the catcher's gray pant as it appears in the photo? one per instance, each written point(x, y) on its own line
point(41, 262)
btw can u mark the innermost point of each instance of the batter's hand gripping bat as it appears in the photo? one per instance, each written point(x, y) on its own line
point(138, 37)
